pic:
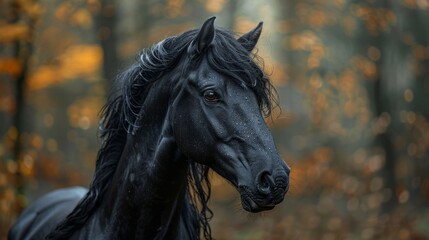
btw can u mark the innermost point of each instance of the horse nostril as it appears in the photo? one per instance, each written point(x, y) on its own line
point(265, 182)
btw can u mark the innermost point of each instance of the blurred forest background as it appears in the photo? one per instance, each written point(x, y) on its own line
point(353, 80)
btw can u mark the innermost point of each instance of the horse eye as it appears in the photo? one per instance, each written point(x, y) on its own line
point(211, 96)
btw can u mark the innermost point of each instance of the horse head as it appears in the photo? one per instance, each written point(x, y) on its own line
point(217, 117)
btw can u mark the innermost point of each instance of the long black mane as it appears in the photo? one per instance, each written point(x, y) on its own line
point(120, 117)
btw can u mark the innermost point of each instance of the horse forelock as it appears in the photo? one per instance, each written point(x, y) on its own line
point(230, 58)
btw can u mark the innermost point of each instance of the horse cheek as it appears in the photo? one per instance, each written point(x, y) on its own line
point(186, 127)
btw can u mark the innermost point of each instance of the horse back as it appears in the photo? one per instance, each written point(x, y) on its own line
point(43, 215)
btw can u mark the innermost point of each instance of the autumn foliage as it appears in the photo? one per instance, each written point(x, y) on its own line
point(353, 82)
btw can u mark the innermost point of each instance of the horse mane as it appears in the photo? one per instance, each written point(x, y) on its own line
point(119, 117)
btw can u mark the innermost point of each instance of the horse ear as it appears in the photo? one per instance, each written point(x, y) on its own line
point(204, 38)
point(249, 40)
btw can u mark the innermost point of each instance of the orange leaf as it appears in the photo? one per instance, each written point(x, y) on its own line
point(10, 66)
point(11, 32)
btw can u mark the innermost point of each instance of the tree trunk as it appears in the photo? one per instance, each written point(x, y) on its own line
point(22, 50)
point(105, 23)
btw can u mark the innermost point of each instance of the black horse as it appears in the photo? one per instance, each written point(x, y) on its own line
point(192, 102)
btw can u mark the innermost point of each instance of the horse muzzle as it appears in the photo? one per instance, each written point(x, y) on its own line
point(267, 192)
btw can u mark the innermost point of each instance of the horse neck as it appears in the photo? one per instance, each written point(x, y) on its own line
point(150, 183)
